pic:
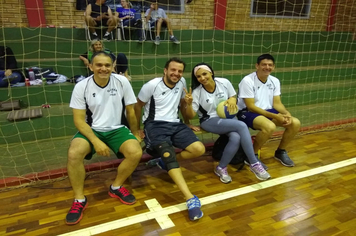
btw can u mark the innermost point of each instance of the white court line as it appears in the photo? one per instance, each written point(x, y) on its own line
point(164, 221)
point(157, 213)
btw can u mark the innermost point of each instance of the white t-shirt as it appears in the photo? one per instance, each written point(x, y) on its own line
point(155, 14)
point(263, 93)
point(103, 104)
point(209, 101)
point(162, 102)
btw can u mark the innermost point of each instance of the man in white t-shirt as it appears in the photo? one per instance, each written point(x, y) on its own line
point(261, 108)
point(158, 18)
point(99, 103)
point(161, 99)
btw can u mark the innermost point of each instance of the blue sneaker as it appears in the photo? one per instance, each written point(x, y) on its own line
point(161, 164)
point(194, 211)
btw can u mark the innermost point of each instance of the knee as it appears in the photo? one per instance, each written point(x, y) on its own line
point(75, 155)
point(295, 123)
point(168, 155)
point(134, 155)
point(268, 127)
point(198, 149)
point(234, 138)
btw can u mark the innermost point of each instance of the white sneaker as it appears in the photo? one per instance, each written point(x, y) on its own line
point(259, 171)
point(222, 173)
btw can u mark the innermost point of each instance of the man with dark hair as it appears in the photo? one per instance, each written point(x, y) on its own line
point(8, 66)
point(161, 98)
point(158, 18)
point(261, 108)
point(98, 14)
point(98, 103)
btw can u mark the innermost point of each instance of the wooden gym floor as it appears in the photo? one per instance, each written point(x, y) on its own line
point(316, 197)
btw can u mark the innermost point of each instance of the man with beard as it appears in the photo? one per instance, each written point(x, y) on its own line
point(161, 98)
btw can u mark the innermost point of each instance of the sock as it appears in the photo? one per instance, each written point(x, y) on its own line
point(107, 33)
point(172, 36)
point(114, 188)
point(80, 200)
point(95, 34)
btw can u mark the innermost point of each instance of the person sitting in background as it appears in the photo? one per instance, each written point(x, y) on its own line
point(158, 18)
point(120, 62)
point(130, 18)
point(261, 108)
point(8, 66)
point(208, 92)
point(98, 14)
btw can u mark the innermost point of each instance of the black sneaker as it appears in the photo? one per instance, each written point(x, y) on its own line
point(75, 213)
point(282, 156)
point(248, 163)
point(106, 37)
point(123, 195)
point(94, 37)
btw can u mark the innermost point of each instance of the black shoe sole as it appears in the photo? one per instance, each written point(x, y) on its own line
point(283, 162)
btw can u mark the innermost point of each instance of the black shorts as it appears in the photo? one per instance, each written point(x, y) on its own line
point(175, 133)
point(103, 22)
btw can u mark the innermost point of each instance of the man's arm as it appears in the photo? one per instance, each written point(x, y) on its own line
point(79, 122)
point(148, 13)
point(132, 119)
point(278, 105)
point(88, 10)
point(138, 112)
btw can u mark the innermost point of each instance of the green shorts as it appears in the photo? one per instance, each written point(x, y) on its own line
point(114, 139)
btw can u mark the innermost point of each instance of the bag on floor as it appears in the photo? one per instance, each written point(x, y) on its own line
point(218, 150)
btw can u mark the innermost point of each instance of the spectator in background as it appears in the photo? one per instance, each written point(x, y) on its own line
point(120, 62)
point(130, 18)
point(8, 66)
point(158, 18)
point(98, 14)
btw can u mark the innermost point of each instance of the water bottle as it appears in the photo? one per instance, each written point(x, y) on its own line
point(27, 82)
point(31, 74)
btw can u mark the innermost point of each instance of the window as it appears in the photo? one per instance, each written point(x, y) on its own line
point(281, 8)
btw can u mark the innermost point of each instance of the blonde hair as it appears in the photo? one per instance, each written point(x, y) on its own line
point(91, 47)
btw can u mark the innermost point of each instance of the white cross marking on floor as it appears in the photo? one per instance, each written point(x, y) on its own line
point(161, 214)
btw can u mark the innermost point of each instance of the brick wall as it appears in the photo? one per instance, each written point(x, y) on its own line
point(13, 13)
point(198, 15)
point(345, 18)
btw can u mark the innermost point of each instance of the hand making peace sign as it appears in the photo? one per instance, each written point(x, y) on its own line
point(188, 96)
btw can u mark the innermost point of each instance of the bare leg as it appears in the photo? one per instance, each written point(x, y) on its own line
point(194, 150)
point(266, 127)
point(169, 27)
point(112, 24)
point(90, 23)
point(78, 149)
point(158, 26)
point(289, 133)
point(132, 151)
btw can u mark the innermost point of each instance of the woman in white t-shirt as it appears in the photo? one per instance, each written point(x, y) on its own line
point(208, 92)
